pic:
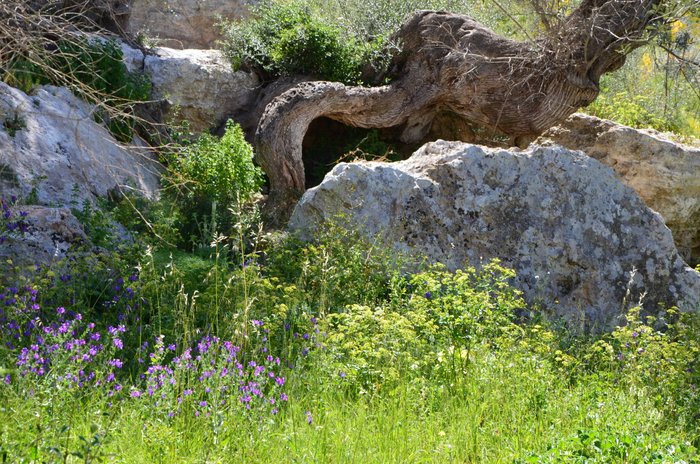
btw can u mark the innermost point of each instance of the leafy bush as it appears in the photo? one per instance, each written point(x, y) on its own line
point(99, 65)
point(468, 305)
point(655, 89)
point(207, 178)
point(219, 170)
point(341, 267)
point(662, 356)
point(628, 111)
point(373, 348)
point(604, 445)
point(286, 38)
point(429, 329)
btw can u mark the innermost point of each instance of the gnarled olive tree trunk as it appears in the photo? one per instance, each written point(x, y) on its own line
point(452, 63)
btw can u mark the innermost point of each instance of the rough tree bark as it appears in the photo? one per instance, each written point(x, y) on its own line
point(452, 63)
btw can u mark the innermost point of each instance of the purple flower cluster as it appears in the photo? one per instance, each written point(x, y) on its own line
point(63, 349)
point(124, 299)
point(215, 375)
point(309, 340)
point(59, 346)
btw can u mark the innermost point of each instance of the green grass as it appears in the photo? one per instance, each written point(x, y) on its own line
point(505, 408)
point(379, 365)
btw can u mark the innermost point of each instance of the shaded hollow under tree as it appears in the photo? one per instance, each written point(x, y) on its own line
point(452, 63)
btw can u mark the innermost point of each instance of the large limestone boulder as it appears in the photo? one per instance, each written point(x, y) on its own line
point(578, 238)
point(183, 23)
point(665, 173)
point(53, 151)
point(199, 85)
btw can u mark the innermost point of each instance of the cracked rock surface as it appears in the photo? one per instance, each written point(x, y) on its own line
point(663, 172)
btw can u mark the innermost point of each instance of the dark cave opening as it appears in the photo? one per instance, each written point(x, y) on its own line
point(328, 142)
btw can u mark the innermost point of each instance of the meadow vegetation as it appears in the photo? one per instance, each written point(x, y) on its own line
point(204, 338)
point(249, 346)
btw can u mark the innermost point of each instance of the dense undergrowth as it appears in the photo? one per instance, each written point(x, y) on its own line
point(240, 346)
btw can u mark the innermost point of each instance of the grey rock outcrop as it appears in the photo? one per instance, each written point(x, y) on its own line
point(183, 23)
point(199, 85)
point(52, 150)
point(46, 235)
point(665, 173)
point(571, 230)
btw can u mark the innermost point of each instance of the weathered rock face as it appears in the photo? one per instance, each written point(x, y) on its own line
point(183, 23)
point(51, 149)
point(45, 235)
point(200, 85)
point(563, 221)
point(664, 173)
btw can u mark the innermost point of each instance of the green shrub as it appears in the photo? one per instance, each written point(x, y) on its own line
point(467, 305)
point(374, 348)
point(429, 328)
point(286, 38)
point(654, 89)
point(316, 49)
point(220, 170)
point(23, 74)
point(341, 267)
point(154, 222)
point(628, 111)
point(604, 445)
point(99, 65)
point(97, 224)
point(209, 177)
point(660, 356)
